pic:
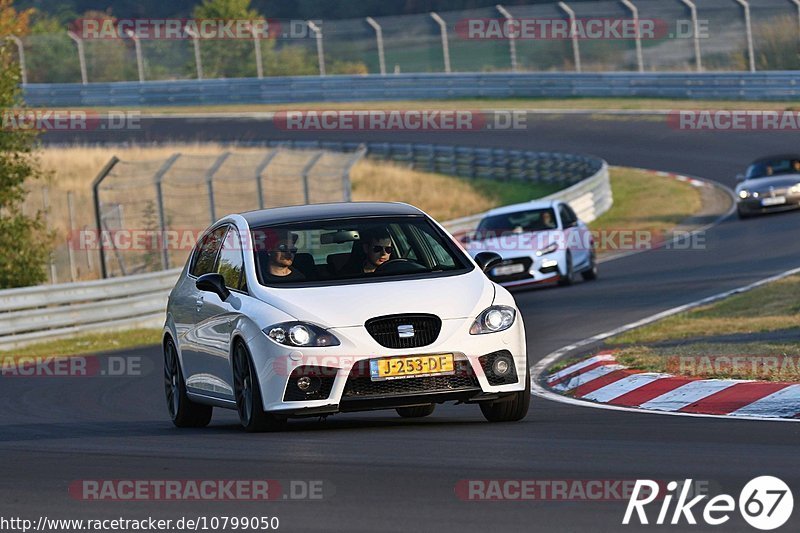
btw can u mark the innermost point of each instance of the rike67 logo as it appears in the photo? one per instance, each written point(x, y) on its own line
point(765, 503)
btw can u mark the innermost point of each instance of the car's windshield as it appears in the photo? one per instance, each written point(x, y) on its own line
point(774, 167)
point(355, 249)
point(517, 222)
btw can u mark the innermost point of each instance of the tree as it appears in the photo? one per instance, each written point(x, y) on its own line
point(24, 240)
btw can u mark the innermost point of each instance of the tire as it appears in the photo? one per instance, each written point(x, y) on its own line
point(247, 392)
point(566, 278)
point(418, 411)
point(512, 410)
point(742, 214)
point(184, 412)
point(590, 274)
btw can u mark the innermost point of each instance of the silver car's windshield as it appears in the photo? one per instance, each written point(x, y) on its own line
point(775, 167)
point(532, 220)
point(357, 250)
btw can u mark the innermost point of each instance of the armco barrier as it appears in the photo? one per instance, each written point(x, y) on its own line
point(34, 314)
point(771, 85)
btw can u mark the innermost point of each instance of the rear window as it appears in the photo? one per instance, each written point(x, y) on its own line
point(356, 250)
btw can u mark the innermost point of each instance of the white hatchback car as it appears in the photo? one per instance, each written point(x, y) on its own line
point(319, 309)
point(539, 241)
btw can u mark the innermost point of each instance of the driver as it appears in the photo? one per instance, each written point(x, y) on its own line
point(281, 248)
point(376, 248)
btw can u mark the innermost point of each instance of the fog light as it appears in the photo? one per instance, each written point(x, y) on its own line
point(501, 366)
point(550, 263)
point(304, 383)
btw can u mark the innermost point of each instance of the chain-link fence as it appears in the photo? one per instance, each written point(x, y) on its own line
point(699, 35)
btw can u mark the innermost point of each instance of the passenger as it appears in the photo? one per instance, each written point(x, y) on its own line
point(281, 250)
point(376, 248)
point(547, 220)
point(796, 166)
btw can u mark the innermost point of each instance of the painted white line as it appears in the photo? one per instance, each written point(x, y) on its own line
point(785, 402)
point(686, 395)
point(586, 377)
point(577, 366)
point(623, 386)
point(541, 367)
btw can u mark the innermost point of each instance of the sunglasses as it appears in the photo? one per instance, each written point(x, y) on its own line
point(286, 250)
point(385, 249)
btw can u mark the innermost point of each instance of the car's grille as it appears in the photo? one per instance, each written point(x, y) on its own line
point(360, 386)
point(526, 263)
point(423, 330)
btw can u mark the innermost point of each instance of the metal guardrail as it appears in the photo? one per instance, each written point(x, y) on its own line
point(35, 314)
point(777, 85)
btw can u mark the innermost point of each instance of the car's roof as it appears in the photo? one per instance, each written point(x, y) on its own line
point(777, 157)
point(525, 206)
point(311, 212)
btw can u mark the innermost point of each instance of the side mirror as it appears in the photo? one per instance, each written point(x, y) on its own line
point(213, 282)
point(488, 260)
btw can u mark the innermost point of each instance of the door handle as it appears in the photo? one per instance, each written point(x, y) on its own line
point(199, 302)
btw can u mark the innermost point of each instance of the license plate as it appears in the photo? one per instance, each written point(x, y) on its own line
point(411, 367)
point(778, 200)
point(508, 270)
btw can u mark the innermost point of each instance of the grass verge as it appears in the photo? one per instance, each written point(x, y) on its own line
point(610, 104)
point(88, 344)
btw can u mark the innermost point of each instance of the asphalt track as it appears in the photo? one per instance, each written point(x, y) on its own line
point(382, 473)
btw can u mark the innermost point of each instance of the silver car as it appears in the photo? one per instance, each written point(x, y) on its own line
point(770, 184)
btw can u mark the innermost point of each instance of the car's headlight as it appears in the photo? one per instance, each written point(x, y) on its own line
point(795, 189)
point(744, 193)
point(494, 319)
point(549, 249)
point(300, 334)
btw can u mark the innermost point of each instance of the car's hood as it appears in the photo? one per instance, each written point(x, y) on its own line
point(763, 184)
point(339, 306)
point(514, 244)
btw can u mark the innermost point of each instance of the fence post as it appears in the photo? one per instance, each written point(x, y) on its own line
point(320, 50)
point(797, 3)
point(97, 215)
point(379, 37)
point(210, 183)
point(638, 37)
point(512, 38)
point(257, 48)
point(81, 56)
point(70, 252)
point(360, 152)
point(748, 28)
point(261, 168)
point(698, 59)
point(198, 61)
point(89, 261)
point(573, 33)
point(306, 171)
point(138, 46)
point(445, 44)
point(21, 53)
point(162, 220)
point(46, 209)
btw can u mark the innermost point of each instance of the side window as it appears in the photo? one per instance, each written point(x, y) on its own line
point(571, 213)
point(207, 248)
point(441, 256)
point(231, 261)
point(566, 219)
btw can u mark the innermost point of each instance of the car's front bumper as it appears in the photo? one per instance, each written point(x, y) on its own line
point(755, 206)
point(344, 382)
point(534, 269)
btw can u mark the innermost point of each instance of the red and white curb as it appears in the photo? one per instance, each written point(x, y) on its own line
point(601, 379)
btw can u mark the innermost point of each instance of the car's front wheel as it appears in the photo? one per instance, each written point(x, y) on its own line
point(184, 412)
point(591, 273)
point(566, 278)
point(248, 395)
point(418, 411)
point(509, 410)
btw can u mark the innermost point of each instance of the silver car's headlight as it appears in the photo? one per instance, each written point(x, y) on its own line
point(494, 319)
point(744, 193)
point(549, 249)
point(795, 189)
point(300, 334)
